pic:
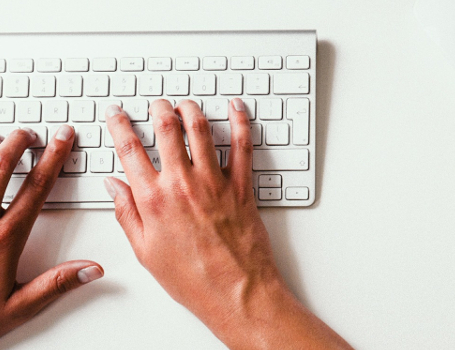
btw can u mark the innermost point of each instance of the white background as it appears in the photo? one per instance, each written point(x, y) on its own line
point(374, 257)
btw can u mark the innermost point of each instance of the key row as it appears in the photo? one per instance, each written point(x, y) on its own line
point(154, 84)
point(270, 188)
point(137, 64)
point(106, 161)
point(91, 136)
point(297, 111)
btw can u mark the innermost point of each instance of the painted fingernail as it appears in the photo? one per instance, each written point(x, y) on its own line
point(89, 274)
point(64, 133)
point(110, 188)
point(31, 132)
point(238, 105)
point(113, 110)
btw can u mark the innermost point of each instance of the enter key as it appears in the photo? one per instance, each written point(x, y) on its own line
point(298, 110)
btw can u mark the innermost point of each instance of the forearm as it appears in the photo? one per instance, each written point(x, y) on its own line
point(272, 318)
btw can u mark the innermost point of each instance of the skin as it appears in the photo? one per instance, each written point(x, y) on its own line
point(194, 226)
point(21, 301)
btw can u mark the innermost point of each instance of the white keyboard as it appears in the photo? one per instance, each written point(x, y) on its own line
point(50, 79)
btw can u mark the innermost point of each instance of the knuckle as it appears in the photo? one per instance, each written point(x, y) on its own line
point(200, 125)
point(129, 147)
point(167, 122)
point(6, 164)
point(20, 133)
point(245, 144)
point(61, 284)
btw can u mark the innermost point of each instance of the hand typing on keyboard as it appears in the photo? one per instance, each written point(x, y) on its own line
point(20, 302)
point(196, 228)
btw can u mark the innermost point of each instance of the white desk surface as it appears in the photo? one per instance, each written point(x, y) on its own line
point(374, 257)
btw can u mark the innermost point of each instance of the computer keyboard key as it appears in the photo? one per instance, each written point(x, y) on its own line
point(291, 83)
point(159, 64)
point(76, 65)
point(124, 85)
point(41, 136)
point(55, 111)
point(297, 193)
point(204, 84)
point(6, 130)
point(150, 85)
point(105, 64)
point(25, 164)
point(257, 84)
point(270, 109)
point(298, 62)
point(49, 65)
point(16, 86)
point(270, 62)
point(242, 63)
point(102, 106)
point(43, 86)
point(231, 84)
point(2, 66)
point(277, 134)
point(155, 159)
point(21, 65)
point(1, 86)
point(88, 136)
point(28, 111)
point(221, 134)
point(145, 134)
point(298, 110)
point(102, 162)
point(68, 190)
point(178, 85)
point(216, 109)
point(82, 111)
point(214, 63)
point(187, 63)
point(270, 194)
point(250, 107)
point(76, 163)
point(70, 85)
point(132, 64)
point(272, 180)
point(256, 134)
point(7, 111)
point(96, 85)
point(294, 159)
point(137, 110)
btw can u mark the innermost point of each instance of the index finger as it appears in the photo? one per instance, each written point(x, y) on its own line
point(27, 204)
point(135, 161)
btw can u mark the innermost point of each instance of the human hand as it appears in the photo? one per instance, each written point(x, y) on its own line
point(20, 302)
point(196, 228)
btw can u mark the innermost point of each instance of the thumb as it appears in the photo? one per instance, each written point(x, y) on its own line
point(33, 296)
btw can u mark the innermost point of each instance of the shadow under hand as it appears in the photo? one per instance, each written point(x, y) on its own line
point(277, 220)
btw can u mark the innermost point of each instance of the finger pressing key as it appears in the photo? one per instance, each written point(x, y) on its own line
point(11, 150)
point(28, 202)
point(134, 159)
point(169, 137)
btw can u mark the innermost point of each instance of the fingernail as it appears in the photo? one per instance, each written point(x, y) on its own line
point(238, 105)
point(31, 132)
point(64, 133)
point(110, 188)
point(113, 110)
point(89, 274)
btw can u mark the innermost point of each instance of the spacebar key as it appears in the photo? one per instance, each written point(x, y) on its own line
point(293, 159)
point(68, 189)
